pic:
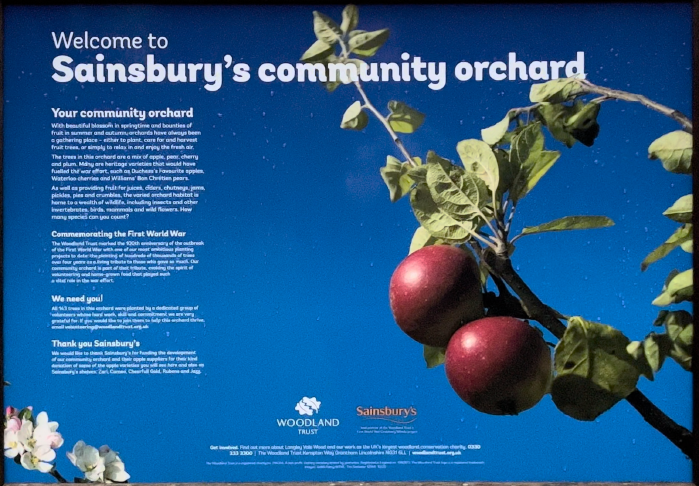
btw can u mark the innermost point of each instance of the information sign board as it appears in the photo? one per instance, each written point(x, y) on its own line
point(207, 211)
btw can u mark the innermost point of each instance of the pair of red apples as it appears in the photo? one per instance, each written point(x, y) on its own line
point(498, 365)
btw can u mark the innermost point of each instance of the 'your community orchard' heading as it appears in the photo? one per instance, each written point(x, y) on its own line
point(411, 68)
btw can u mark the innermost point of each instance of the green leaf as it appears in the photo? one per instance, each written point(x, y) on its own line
point(533, 174)
point(527, 152)
point(682, 235)
point(433, 356)
point(493, 135)
point(421, 239)
point(367, 43)
point(681, 210)
point(396, 176)
point(354, 117)
point(569, 123)
point(686, 337)
point(350, 18)
point(662, 316)
point(570, 223)
point(654, 351)
point(507, 170)
point(404, 119)
point(593, 369)
point(331, 85)
point(679, 288)
point(458, 194)
point(554, 117)
point(317, 52)
point(682, 357)
point(326, 29)
point(673, 273)
point(680, 332)
point(674, 151)
point(651, 353)
point(635, 349)
point(528, 141)
point(478, 159)
point(556, 91)
point(583, 125)
point(437, 222)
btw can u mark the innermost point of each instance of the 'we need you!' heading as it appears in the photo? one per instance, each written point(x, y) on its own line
point(211, 74)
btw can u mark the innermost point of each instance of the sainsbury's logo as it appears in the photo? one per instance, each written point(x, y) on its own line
point(397, 415)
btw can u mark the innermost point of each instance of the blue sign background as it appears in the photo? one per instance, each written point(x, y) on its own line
point(301, 240)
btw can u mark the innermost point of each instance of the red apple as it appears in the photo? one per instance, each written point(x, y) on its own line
point(434, 291)
point(499, 365)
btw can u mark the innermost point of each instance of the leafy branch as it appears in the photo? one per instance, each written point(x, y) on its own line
point(596, 366)
point(585, 87)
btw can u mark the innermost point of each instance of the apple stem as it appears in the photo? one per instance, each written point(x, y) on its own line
point(549, 318)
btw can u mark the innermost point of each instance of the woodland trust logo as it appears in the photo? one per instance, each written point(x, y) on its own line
point(308, 426)
point(307, 406)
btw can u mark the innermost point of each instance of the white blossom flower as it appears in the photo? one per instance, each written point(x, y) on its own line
point(114, 467)
point(45, 431)
point(39, 458)
point(25, 435)
point(88, 460)
point(13, 446)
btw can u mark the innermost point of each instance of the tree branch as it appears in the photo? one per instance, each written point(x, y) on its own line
point(548, 317)
point(533, 306)
point(636, 98)
point(678, 435)
point(54, 472)
point(608, 94)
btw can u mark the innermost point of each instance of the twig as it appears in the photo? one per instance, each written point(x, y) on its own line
point(370, 106)
point(384, 121)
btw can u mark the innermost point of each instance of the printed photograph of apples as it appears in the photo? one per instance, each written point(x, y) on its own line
point(496, 358)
